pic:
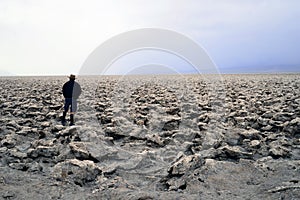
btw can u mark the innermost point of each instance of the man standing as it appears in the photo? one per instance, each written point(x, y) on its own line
point(71, 91)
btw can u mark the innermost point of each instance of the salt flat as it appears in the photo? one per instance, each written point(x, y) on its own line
point(152, 137)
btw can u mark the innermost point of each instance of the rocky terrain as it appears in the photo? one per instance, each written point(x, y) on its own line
point(152, 137)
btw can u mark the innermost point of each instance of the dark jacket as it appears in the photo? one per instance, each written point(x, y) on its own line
point(71, 89)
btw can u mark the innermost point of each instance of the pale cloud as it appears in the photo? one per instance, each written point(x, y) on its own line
point(53, 37)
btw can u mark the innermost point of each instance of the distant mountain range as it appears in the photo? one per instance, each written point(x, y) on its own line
point(156, 69)
point(261, 69)
point(253, 70)
point(6, 73)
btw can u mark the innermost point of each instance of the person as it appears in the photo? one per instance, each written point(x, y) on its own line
point(71, 91)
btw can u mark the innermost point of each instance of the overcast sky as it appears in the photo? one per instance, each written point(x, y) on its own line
point(40, 37)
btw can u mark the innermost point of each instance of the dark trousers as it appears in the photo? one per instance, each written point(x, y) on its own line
point(70, 103)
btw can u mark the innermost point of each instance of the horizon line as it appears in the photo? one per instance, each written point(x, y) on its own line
point(154, 74)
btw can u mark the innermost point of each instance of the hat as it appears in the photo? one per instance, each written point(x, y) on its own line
point(72, 76)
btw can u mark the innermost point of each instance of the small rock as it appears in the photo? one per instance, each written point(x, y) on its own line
point(279, 151)
point(173, 110)
point(155, 138)
point(51, 115)
point(57, 128)
point(44, 151)
point(233, 138)
point(176, 184)
point(268, 115)
point(280, 148)
point(32, 115)
point(185, 164)
point(209, 153)
point(293, 127)
point(3, 150)
point(171, 125)
point(263, 121)
point(34, 107)
point(204, 118)
point(64, 154)
point(202, 126)
point(242, 113)
point(79, 150)
point(282, 117)
point(112, 132)
point(23, 147)
point(17, 154)
point(267, 128)
point(80, 172)
point(8, 194)
point(255, 143)
point(212, 139)
point(45, 124)
point(233, 152)
point(100, 150)
point(29, 132)
point(296, 141)
point(240, 120)
point(251, 134)
point(106, 119)
point(67, 132)
point(55, 107)
point(19, 166)
point(8, 142)
point(13, 124)
point(35, 167)
point(182, 135)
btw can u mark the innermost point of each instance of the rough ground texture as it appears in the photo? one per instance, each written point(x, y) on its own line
point(156, 137)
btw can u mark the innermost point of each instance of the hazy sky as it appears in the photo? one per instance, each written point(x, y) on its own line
point(39, 37)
